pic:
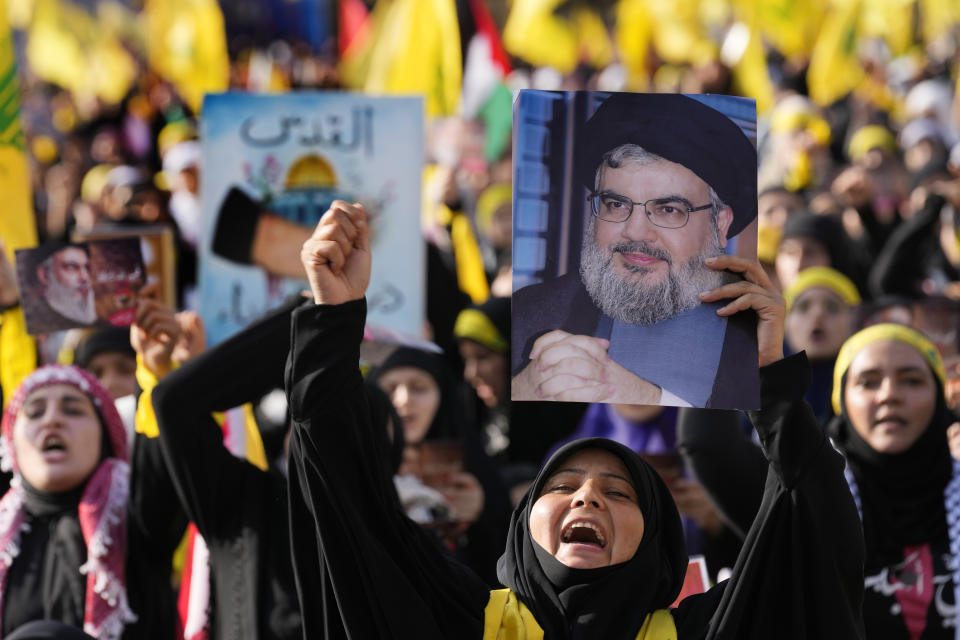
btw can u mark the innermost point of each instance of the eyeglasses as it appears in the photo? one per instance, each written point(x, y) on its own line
point(669, 213)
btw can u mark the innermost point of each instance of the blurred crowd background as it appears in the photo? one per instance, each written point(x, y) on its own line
point(858, 140)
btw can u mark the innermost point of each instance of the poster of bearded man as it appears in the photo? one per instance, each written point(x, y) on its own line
point(623, 205)
point(87, 284)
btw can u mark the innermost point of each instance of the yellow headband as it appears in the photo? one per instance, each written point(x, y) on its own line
point(887, 331)
point(871, 137)
point(475, 325)
point(492, 198)
point(822, 277)
point(786, 121)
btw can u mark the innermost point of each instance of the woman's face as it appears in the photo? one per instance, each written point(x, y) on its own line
point(415, 396)
point(56, 437)
point(587, 515)
point(819, 323)
point(486, 371)
point(890, 395)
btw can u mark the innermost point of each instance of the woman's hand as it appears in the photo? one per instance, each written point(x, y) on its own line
point(754, 292)
point(337, 256)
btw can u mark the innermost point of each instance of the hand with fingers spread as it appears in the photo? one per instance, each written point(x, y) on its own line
point(337, 255)
point(755, 292)
point(155, 331)
point(577, 368)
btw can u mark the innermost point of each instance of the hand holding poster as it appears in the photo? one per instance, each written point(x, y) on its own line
point(620, 202)
point(90, 284)
point(273, 165)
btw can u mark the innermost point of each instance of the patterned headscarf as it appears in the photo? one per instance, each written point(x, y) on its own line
point(102, 511)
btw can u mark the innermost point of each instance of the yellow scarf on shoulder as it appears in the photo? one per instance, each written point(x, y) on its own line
point(506, 618)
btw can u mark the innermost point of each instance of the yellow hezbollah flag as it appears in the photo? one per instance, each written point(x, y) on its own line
point(414, 47)
point(187, 45)
point(742, 51)
point(835, 68)
point(18, 356)
point(790, 26)
point(632, 35)
point(534, 33)
point(67, 46)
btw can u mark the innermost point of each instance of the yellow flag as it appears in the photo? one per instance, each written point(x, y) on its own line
point(187, 45)
point(18, 356)
point(938, 18)
point(414, 47)
point(835, 68)
point(534, 33)
point(632, 36)
point(790, 26)
point(67, 47)
point(890, 20)
point(743, 52)
point(679, 35)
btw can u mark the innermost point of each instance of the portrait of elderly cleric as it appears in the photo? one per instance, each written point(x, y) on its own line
point(622, 291)
point(56, 287)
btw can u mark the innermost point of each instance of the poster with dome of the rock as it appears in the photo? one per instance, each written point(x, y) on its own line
point(272, 164)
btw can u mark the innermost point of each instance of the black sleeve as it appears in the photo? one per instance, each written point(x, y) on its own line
point(209, 479)
point(729, 466)
point(236, 225)
point(800, 573)
point(898, 267)
point(361, 565)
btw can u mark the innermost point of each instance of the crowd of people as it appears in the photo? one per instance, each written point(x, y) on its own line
point(267, 487)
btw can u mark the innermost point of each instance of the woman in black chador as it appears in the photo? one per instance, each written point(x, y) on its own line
point(595, 548)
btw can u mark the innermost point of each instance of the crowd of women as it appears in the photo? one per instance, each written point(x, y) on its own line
point(267, 487)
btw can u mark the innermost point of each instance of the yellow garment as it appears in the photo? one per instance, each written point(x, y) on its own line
point(471, 277)
point(187, 45)
point(822, 277)
point(875, 333)
point(506, 618)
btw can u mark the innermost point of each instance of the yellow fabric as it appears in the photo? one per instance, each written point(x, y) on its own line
point(255, 453)
point(187, 45)
point(822, 277)
point(632, 33)
point(476, 326)
point(768, 241)
point(471, 278)
point(749, 69)
point(18, 353)
point(593, 41)
point(534, 33)
point(492, 198)
point(891, 21)
point(145, 420)
point(68, 47)
point(835, 68)
point(789, 25)
point(938, 18)
point(414, 48)
point(506, 618)
point(786, 121)
point(679, 35)
point(872, 136)
point(875, 333)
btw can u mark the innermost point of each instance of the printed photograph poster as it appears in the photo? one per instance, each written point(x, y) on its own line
point(157, 247)
point(272, 165)
point(86, 284)
point(618, 199)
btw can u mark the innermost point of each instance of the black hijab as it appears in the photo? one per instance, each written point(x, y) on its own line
point(446, 423)
point(902, 494)
point(608, 602)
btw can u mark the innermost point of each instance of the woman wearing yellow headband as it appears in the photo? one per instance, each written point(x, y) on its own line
point(820, 304)
point(891, 425)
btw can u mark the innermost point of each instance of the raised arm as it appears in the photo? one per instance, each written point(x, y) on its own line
point(361, 565)
point(800, 572)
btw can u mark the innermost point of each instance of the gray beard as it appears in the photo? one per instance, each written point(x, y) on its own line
point(635, 302)
point(64, 301)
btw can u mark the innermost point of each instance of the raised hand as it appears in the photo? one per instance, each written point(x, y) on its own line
point(155, 331)
point(755, 292)
point(336, 257)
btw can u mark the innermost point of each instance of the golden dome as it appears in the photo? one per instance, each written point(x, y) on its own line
point(311, 171)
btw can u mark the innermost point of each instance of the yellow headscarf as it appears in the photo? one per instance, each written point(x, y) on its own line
point(887, 331)
point(822, 277)
point(872, 136)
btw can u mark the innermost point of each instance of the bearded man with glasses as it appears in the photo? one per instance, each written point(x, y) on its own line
point(669, 181)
